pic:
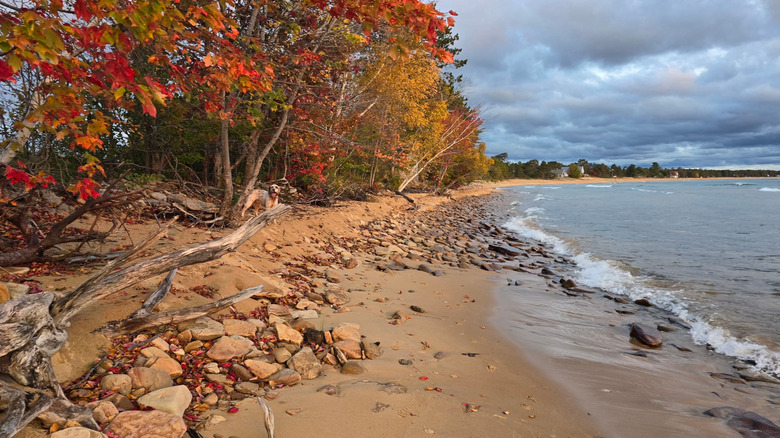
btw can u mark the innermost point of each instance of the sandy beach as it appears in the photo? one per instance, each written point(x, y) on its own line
point(453, 358)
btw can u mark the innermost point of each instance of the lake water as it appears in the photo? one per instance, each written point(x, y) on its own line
point(706, 250)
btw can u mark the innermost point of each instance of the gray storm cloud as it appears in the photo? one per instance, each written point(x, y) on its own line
point(692, 83)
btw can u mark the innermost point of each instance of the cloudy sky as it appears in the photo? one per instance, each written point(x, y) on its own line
point(691, 83)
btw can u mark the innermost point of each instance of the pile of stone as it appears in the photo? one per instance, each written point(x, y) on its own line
point(186, 371)
point(460, 234)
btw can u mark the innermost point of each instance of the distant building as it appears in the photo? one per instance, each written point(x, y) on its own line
point(674, 174)
point(561, 173)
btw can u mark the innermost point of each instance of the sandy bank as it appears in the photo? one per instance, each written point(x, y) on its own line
point(448, 371)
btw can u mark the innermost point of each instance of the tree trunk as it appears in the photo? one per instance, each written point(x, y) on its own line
point(227, 176)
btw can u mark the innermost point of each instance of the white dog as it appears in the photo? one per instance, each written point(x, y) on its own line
point(260, 197)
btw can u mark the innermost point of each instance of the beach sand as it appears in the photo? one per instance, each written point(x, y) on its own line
point(470, 372)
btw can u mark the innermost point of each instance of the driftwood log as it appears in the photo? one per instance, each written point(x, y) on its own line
point(32, 327)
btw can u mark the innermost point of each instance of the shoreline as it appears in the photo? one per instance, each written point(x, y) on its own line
point(461, 375)
point(481, 377)
point(595, 180)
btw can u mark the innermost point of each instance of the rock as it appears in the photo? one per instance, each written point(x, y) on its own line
point(77, 432)
point(103, 411)
point(643, 302)
point(417, 309)
point(679, 321)
point(168, 365)
point(351, 263)
point(425, 268)
point(548, 272)
point(147, 424)
point(211, 399)
point(5, 295)
point(149, 379)
point(285, 333)
point(203, 328)
point(192, 346)
point(749, 424)
point(505, 250)
point(350, 348)
point(184, 337)
point(211, 367)
point(400, 317)
point(281, 355)
point(665, 328)
point(120, 401)
point(121, 383)
point(261, 369)
point(219, 378)
point(239, 328)
point(757, 376)
point(153, 352)
point(353, 367)
point(285, 377)
point(568, 283)
point(240, 372)
point(16, 290)
point(646, 335)
point(371, 349)
point(248, 388)
point(405, 361)
point(228, 347)
point(346, 331)
point(161, 344)
point(213, 421)
point(173, 400)
point(305, 363)
point(337, 298)
point(197, 205)
point(724, 412)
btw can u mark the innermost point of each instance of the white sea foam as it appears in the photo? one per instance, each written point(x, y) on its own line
point(599, 186)
point(650, 191)
point(540, 197)
point(768, 189)
point(611, 276)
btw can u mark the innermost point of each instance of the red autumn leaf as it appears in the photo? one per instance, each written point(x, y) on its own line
point(6, 72)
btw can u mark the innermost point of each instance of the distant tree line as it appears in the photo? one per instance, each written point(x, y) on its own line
point(534, 169)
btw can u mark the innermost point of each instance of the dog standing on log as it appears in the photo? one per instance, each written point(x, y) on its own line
point(259, 197)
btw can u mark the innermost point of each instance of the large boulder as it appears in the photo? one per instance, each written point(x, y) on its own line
point(149, 379)
point(228, 347)
point(173, 400)
point(147, 424)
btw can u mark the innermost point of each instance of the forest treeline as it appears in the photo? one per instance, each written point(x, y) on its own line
point(501, 169)
point(333, 98)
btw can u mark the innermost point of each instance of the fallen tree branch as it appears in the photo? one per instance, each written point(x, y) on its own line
point(156, 297)
point(67, 306)
point(115, 328)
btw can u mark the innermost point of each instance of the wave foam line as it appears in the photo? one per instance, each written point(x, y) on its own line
point(608, 275)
